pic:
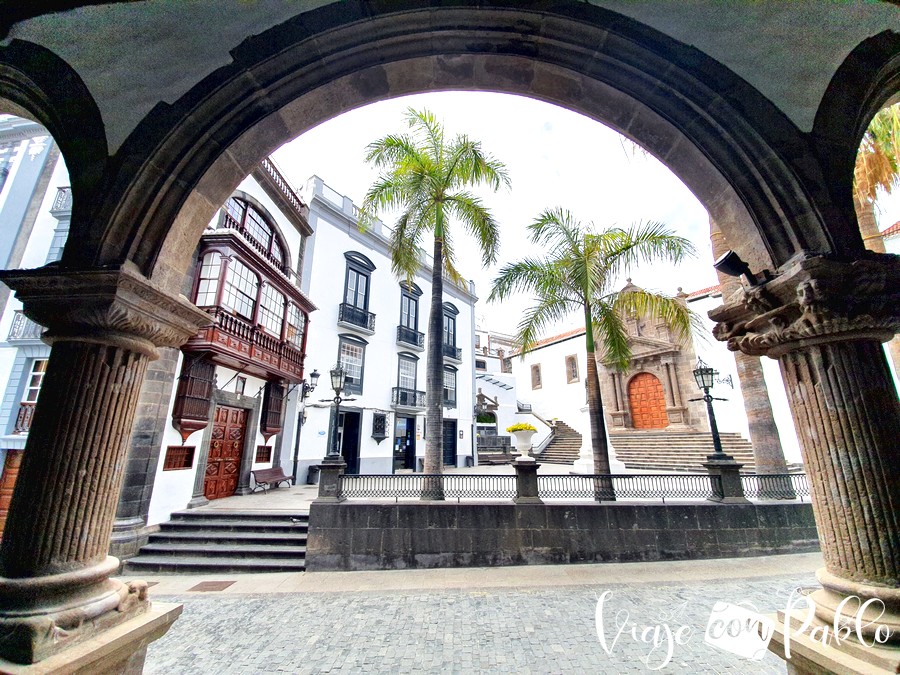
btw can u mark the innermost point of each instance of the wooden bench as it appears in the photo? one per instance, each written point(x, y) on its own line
point(266, 478)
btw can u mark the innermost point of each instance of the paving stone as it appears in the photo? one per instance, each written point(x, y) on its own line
point(500, 630)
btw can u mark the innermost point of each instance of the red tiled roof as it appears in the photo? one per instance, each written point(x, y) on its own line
point(892, 231)
point(709, 290)
point(555, 338)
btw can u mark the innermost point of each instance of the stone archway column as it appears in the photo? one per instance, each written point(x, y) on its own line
point(824, 321)
point(105, 326)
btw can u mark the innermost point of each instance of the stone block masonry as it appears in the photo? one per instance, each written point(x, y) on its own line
point(378, 536)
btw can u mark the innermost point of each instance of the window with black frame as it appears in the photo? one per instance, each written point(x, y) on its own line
point(352, 358)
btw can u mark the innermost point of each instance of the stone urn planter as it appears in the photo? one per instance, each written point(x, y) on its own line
point(523, 434)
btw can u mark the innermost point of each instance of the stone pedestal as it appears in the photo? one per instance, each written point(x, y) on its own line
point(728, 473)
point(104, 326)
point(526, 481)
point(814, 650)
point(824, 321)
point(330, 472)
point(120, 650)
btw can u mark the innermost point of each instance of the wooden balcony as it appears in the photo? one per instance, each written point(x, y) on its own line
point(235, 343)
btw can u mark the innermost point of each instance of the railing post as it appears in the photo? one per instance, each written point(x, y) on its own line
point(330, 472)
point(526, 481)
point(729, 474)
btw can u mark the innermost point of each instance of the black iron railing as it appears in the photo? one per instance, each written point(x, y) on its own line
point(409, 336)
point(23, 328)
point(776, 486)
point(452, 352)
point(409, 398)
point(356, 316)
point(630, 486)
point(416, 486)
point(662, 487)
point(23, 419)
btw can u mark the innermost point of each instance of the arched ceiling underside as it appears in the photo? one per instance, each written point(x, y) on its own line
point(212, 117)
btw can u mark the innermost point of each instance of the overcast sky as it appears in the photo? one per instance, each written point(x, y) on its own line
point(555, 157)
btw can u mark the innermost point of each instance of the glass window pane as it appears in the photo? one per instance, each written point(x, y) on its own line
point(35, 379)
point(296, 325)
point(209, 280)
point(241, 287)
point(407, 374)
point(258, 228)
point(351, 359)
point(271, 310)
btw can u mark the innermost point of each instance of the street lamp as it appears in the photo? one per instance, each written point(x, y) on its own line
point(309, 387)
point(705, 376)
point(338, 379)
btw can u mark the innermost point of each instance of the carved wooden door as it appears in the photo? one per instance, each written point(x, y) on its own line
point(226, 448)
point(648, 402)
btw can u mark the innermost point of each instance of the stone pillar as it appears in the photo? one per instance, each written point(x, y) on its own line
point(526, 481)
point(824, 321)
point(768, 456)
point(728, 473)
point(330, 472)
point(105, 326)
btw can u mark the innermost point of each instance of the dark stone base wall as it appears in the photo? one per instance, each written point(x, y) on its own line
point(367, 536)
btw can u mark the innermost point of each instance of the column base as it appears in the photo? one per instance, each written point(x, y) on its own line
point(41, 616)
point(121, 649)
point(815, 651)
point(196, 502)
point(840, 600)
point(128, 535)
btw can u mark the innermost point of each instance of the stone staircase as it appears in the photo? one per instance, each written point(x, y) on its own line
point(677, 450)
point(208, 541)
point(564, 448)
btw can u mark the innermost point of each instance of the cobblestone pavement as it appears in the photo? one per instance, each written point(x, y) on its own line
point(494, 630)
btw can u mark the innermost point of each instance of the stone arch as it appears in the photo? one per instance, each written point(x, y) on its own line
point(868, 80)
point(732, 148)
point(38, 85)
point(647, 402)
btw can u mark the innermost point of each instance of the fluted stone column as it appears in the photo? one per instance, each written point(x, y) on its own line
point(824, 321)
point(768, 456)
point(105, 326)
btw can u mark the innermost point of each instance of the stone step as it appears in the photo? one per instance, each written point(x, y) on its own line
point(220, 550)
point(201, 565)
point(232, 525)
point(230, 538)
point(223, 514)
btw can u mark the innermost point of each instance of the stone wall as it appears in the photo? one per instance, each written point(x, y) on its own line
point(365, 536)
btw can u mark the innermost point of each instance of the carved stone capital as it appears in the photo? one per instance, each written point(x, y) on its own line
point(112, 305)
point(814, 300)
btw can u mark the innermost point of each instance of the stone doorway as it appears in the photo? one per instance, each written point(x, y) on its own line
point(226, 450)
point(648, 402)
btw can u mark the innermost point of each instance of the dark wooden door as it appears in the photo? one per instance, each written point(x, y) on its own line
point(449, 442)
point(8, 482)
point(226, 449)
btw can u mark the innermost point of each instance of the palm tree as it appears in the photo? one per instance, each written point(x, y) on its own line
point(577, 274)
point(877, 166)
point(427, 179)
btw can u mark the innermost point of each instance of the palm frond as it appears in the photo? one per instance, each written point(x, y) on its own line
point(675, 314)
point(470, 211)
point(610, 328)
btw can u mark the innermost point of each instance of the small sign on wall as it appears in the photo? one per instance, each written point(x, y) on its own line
point(460, 433)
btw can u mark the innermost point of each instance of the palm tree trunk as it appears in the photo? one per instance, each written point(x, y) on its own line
point(434, 380)
point(868, 226)
point(599, 444)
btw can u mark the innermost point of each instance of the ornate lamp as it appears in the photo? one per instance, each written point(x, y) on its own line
point(338, 377)
point(310, 387)
point(705, 376)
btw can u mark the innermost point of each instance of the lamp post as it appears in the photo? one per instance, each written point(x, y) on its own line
point(706, 376)
point(338, 378)
point(306, 388)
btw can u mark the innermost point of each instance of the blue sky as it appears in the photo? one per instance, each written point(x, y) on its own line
point(555, 157)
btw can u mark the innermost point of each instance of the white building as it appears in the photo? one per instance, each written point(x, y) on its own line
point(374, 325)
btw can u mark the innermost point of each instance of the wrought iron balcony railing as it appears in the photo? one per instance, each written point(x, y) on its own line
point(452, 352)
point(407, 398)
point(408, 336)
point(350, 314)
point(62, 202)
point(449, 402)
point(23, 419)
point(23, 328)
